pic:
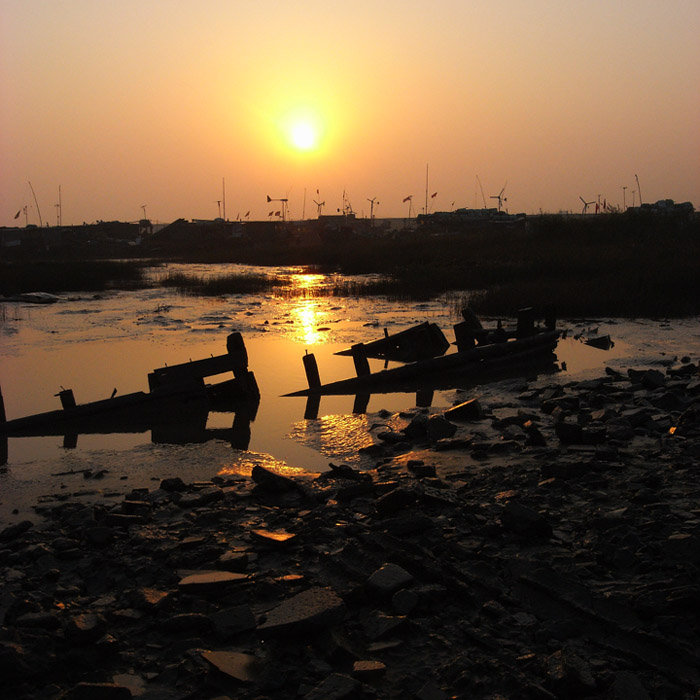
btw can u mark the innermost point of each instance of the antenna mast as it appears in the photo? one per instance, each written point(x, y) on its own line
point(223, 194)
point(41, 223)
point(639, 189)
point(426, 189)
point(482, 191)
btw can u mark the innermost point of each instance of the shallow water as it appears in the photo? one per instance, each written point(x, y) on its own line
point(94, 344)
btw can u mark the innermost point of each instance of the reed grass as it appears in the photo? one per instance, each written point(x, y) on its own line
point(604, 265)
point(200, 285)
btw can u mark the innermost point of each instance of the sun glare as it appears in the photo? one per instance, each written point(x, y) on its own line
point(303, 136)
point(302, 130)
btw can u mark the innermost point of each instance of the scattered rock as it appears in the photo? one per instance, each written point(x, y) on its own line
point(271, 481)
point(240, 667)
point(388, 579)
point(310, 610)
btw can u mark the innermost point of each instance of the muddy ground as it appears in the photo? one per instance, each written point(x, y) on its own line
point(544, 547)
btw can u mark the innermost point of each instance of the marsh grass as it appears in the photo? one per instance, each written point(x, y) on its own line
point(606, 265)
point(200, 285)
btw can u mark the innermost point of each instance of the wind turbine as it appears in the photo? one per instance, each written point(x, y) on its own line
point(318, 205)
point(284, 201)
point(371, 207)
point(500, 197)
point(585, 204)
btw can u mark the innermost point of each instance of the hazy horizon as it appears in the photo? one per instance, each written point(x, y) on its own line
point(156, 103)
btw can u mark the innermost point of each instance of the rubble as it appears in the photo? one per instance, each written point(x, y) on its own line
point(552, 552)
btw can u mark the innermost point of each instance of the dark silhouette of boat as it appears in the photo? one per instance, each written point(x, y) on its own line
point(416, 343)
point(175, 408)
point(482, 355)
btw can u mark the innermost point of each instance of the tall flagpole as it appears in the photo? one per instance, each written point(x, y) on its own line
point(223, 187)
point(41, 223)
point(426, 188)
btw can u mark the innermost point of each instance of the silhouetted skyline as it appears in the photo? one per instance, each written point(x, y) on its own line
point(146, 108)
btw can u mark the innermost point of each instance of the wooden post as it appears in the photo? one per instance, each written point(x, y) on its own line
point(235, 347)
point(311, 369)
point(550, 317)
point(360, 359)
point(313, 404)
point(526, 322)
point(67, 398)
point(360, 404)
point(464, 335)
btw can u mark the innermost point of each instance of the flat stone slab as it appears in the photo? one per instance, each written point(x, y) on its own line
point(272, 538)
point(309, 610)
point(210, 580)
point(241, 667)
point(388, 579)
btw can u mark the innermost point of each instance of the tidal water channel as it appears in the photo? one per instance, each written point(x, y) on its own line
point(96, 343)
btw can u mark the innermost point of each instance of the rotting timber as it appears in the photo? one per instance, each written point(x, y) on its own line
point(174, 391)
point(481, 353)
point(416, 343)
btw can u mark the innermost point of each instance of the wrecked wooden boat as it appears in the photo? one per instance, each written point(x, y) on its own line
point(174, 391)
point(416, 343)
point(481, 353)
point(601, 342)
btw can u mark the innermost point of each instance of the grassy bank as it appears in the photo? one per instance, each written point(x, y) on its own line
point(601, 266)
point(69, 276)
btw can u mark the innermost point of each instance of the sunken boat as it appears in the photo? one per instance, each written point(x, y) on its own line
point(416, 343)
point(482, 354)
point(175, 391)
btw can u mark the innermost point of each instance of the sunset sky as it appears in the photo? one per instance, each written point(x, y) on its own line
point(132, 103)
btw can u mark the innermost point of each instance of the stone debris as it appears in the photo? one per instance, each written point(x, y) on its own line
point(241, 667)
point(549, 548)
point(310, 610)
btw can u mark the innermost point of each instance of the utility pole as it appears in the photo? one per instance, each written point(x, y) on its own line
point(426, 190)
point(624, 199)
point(143, 206)
point(223, 187)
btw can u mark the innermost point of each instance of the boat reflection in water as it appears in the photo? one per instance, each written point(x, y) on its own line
point(175, 409)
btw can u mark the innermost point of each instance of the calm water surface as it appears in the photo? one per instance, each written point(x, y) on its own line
point(94, 344)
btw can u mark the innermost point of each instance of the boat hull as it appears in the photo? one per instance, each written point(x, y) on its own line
point(472, 365)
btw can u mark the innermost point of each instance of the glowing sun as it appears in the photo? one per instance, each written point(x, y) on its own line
point(303, 136)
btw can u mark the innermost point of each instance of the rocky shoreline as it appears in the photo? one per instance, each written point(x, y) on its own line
point(547, 547)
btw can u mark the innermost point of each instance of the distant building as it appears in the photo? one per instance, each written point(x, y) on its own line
point(664, 207)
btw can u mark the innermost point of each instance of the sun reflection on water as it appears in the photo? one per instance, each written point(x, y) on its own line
point(308, 314)
point(340, 436)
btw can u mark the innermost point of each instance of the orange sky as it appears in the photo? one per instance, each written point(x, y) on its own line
point(154, 103)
